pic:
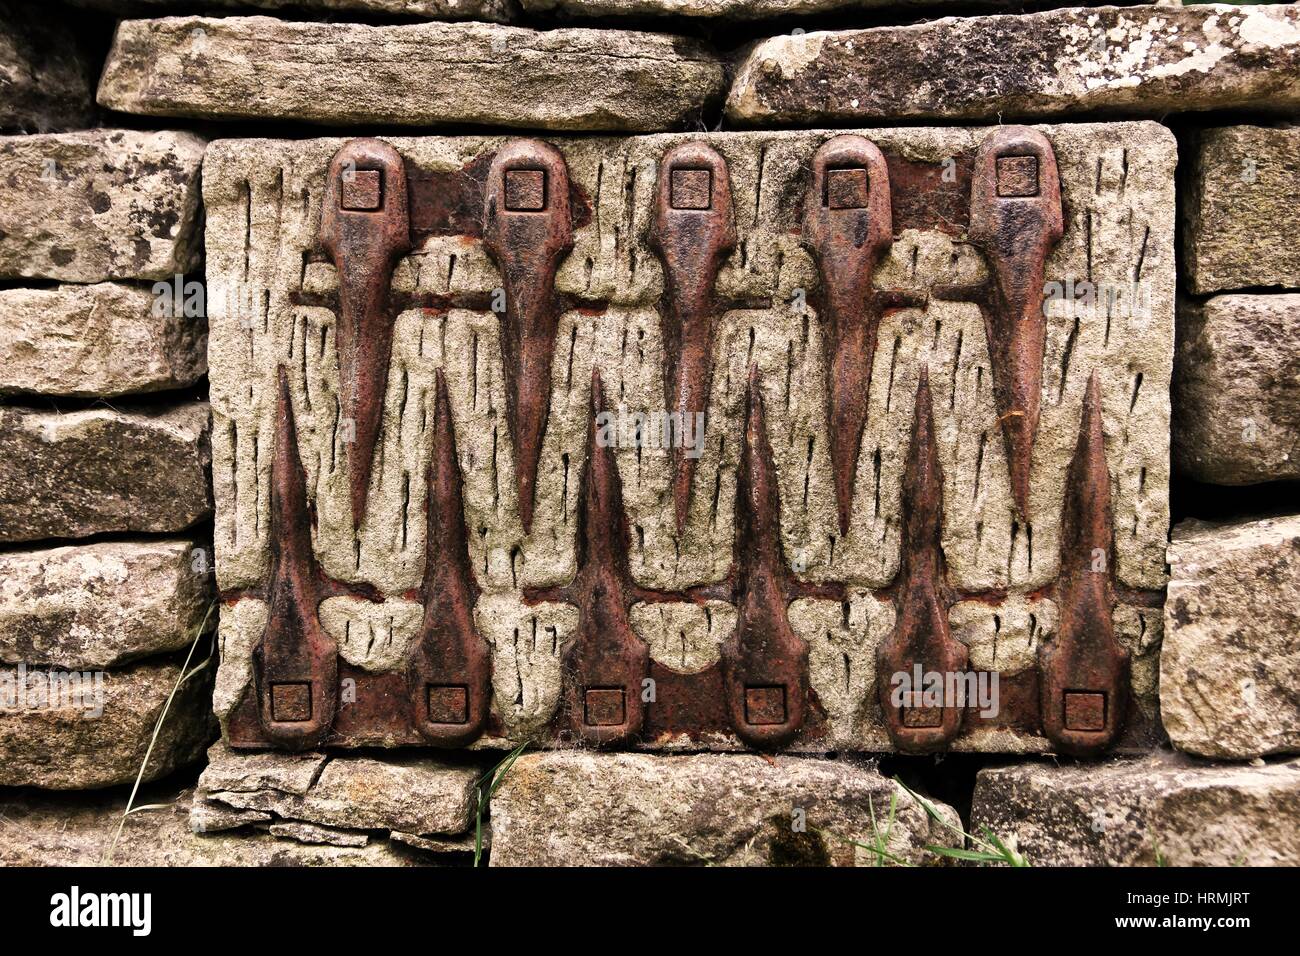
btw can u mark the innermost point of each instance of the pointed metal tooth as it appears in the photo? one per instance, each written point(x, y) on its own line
point(1016, 220)
point(607, 663)
point(528, 230)
point(296, 662)
point(693, 230)
point(764, 663)
point(921, 635)
point(450, 671)
point(848, 227)
point(1083, 671)
point(365, 228)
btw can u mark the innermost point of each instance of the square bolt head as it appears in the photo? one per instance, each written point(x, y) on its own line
point(291, 703)
point(605, 707)
point(448, 703)
point(1085, 710)
point(765, 705)
point(922, 716)
point(525, 190)
point(1017, 176)
point(847, 188)
point(363, 190)
point(691, 189)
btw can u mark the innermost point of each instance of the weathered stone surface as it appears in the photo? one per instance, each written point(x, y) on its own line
point(44, 79)
point(79, 473)
point(497, 11)
point(419, 795)
point(209, 817)
point(103, 204)
point(310, 833)
point(1236, 391)
point(1162, 809)
point(1241, 209)
point(736, 9)
point(78, 830)
point(1128, 60)
point(1117, 182)
point(579, 808)
point(97, 732)
point(418, 75)
point(1230, 668)
point(97, 340)
point(102, 605)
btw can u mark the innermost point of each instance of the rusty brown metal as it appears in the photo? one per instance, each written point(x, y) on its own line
point(693, 230)
point(295, 663)
point(1016, 221)
point(528, 230)
point(1084, 673)
point(365, 229)
point(848, 228)
point(921, 639)
point(450, 671)
point(764, 663)
point(606, 664)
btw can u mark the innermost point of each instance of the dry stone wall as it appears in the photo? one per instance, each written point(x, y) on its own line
point(409, 260)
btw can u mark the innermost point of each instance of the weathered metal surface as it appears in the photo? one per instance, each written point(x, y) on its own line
point(1084, 671)
point(693, 230)
point(764, 663)
point(450, 671)
point(771, 682)
point(922, 637)
point(365, 229)
point(1015, 220)
point(527, 229)
point(296, 662)
point(606, 665)
point(847, 226)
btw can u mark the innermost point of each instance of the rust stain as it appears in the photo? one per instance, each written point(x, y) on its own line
point(296, 663)
point(764, 662)
point(449, 675)
point(528, 230)
point(921, 637)
point(693, 230)
point(1016, 221)
point(450, 202)
point(930, 195)
point(365, 229)
point(606, 664)
point(848, 228)
point(1084, 671)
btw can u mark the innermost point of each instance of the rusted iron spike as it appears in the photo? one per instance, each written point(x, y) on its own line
point(921, 639)
point(848, 228)
point(365, 229)
point(527, 230)
point(450, 672)
point(693, 230)
point(1015, 220)
point(296, 662)
point(1083, 672)
point(606, 664)
point(764, 663)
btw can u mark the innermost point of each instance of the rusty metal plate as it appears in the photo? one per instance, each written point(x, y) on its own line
point(761, 440)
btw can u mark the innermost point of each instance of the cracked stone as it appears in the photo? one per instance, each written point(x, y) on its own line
point(99, 340)
point(1230, 666)
point(1135, 61)
point(101, 204)
point(415, 75)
